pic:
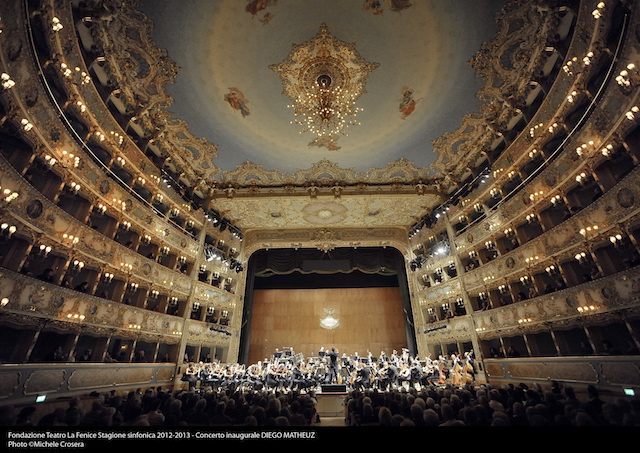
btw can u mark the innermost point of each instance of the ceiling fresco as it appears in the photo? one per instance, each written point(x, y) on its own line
point(228, 93)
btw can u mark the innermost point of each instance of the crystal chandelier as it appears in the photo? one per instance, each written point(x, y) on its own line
point(325, 111)
point(324, 77)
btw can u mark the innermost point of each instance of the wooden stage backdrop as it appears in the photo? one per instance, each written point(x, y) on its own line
point(370, 319)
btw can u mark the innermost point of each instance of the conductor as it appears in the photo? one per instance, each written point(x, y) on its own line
point(333, 366)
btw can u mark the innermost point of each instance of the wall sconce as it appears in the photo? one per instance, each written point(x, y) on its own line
point(525, 280)
point(154, 294)
point(582, 178)
point(616, 239)
point(133, 287)
point(531, 218)
point(164, 251)
point(70, 159)
point(49, 161)
point(75, 317)
point(72, 188)
point(586, 308)
point(598, 12)
point(70, 239)
point(6, 81)
point(56, 25)
point(76, 266)
point(581, 257)
point(146, 239)
point(107, 277)
point(123, 204)
point(100, 208)
point(568, 67)
point(503, 289)
point(118, 138)
point(632, 114)
point(44, 250)
point(589, 229)
point(551, 270)
point(173, 300)
point(490, 245)
point(535, 195)
point(4, 301)
point(6, 231)
point(606, 151)
point(555, 200)
point(26, 125)
point(530, 259)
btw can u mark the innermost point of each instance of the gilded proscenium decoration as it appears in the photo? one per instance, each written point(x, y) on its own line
point(324, 77)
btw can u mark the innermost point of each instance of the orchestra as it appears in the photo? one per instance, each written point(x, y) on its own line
point(286, 371)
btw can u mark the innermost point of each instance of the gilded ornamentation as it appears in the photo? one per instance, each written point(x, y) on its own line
point(323, 78)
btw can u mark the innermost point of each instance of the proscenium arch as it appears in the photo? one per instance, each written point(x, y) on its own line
point(395, 267)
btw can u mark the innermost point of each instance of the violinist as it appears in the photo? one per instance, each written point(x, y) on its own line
point(404, 375)
point(191, 376)
point(255, 376)
point(205, 375)
point(416, 373)
point(362, 378)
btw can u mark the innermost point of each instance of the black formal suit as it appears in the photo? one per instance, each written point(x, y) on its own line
point(333, 366)
point(363, 378)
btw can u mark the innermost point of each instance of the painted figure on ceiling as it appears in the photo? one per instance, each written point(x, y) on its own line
point(374, 6)
point(236, 99)
point(407, 102)
point(398, 5)
point(256, 6)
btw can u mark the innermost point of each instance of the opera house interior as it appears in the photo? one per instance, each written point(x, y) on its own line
point(218, 182)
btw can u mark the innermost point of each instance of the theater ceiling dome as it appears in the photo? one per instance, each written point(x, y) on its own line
point(265, 99)
point(229, 94)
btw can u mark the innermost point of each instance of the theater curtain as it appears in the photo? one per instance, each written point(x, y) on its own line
point(381, 261)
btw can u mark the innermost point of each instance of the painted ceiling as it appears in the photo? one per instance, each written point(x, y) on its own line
point(421, 48)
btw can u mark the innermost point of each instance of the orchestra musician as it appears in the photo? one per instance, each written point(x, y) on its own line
point(255, 376)
point(404, 375)
point(456, 370)
point(292, 372)
point(362, 379)
point(191, 376)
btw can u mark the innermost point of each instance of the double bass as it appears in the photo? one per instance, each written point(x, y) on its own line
point(468, 369)
point(443, 372)
point(456, 373)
